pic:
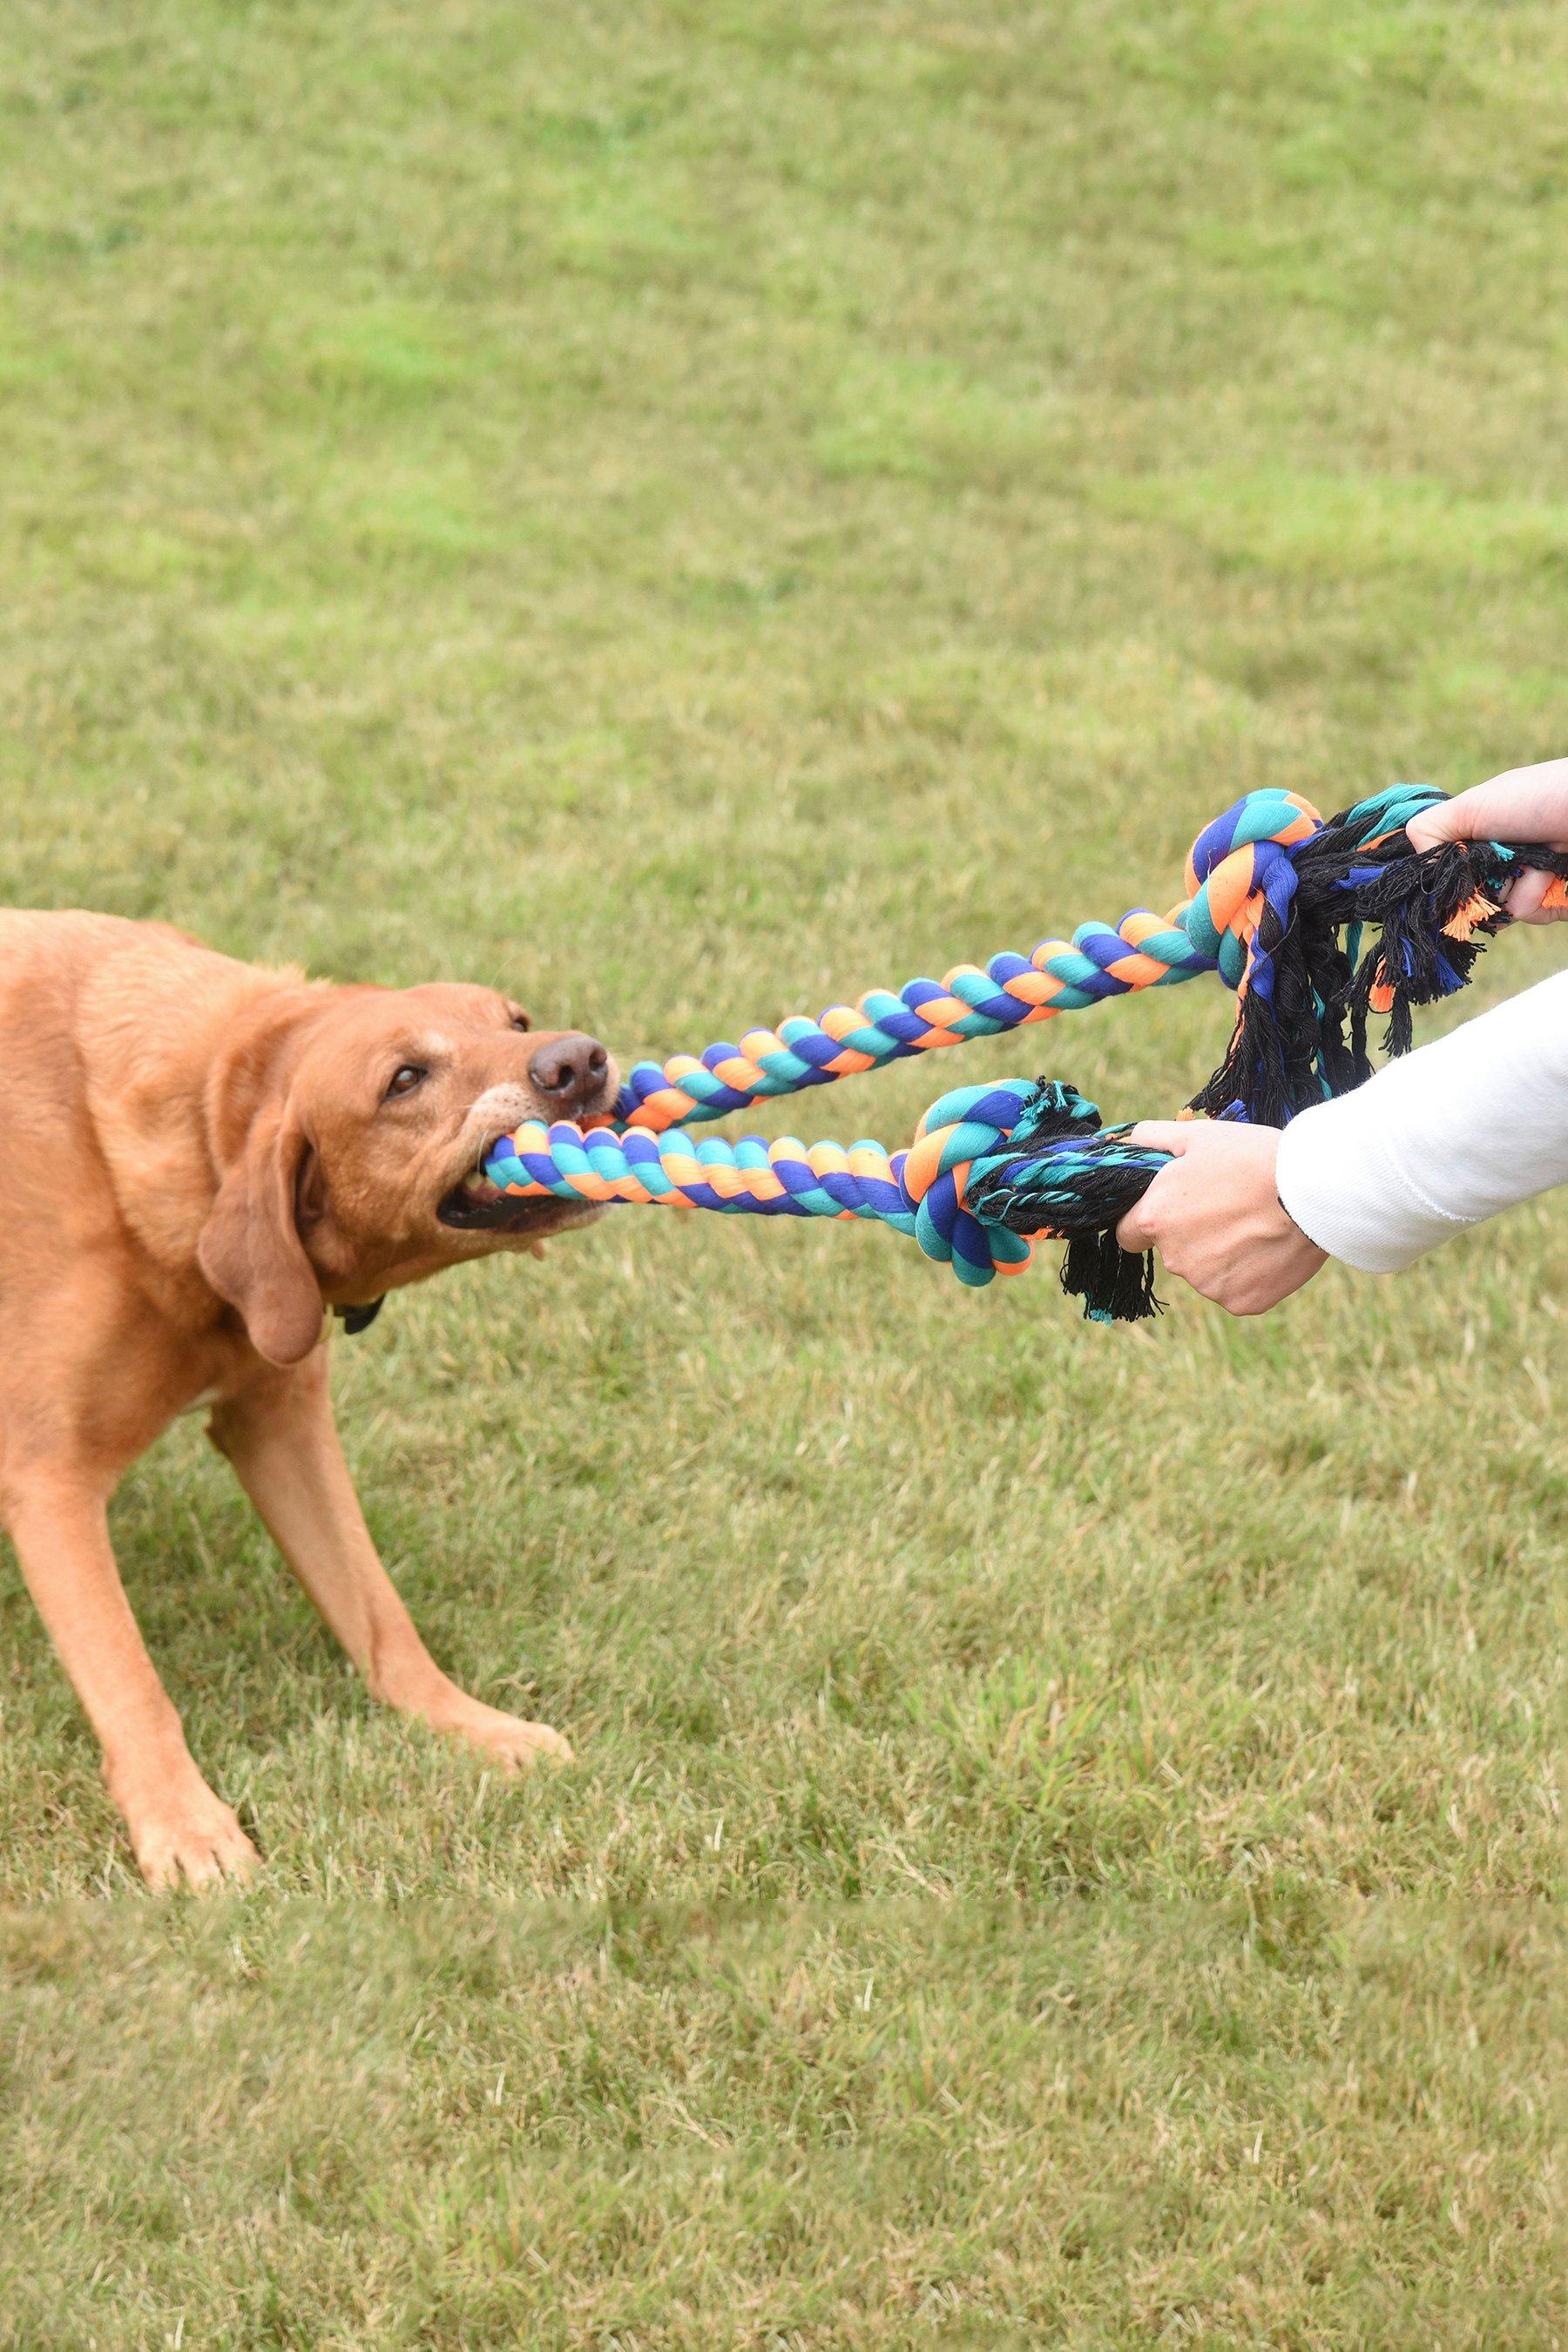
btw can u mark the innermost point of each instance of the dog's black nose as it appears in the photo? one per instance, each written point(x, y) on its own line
point(570, 1071)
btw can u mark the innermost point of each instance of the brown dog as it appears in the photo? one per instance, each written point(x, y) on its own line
point(197, 1160)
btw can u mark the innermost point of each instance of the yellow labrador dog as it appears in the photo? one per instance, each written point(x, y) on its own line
point(198, 1160)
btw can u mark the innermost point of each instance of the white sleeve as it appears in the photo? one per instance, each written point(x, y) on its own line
point(1436, 1141)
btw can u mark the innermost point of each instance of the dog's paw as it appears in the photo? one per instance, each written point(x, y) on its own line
point(192, 1839)
point(504, 1739)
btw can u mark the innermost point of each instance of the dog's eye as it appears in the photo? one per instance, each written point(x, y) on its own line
point(404, 1081)
point(521, 1021)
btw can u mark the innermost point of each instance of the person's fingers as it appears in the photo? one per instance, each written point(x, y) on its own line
point(1445, 821)
point(1523, 901)
point(1172, 1135)
point(1135, 1233)
point(1139, 1228)
point(1519, 805)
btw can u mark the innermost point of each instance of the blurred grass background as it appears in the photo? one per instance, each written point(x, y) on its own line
point(689, 512)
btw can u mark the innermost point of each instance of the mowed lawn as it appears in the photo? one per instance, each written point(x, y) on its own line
point(690, 513)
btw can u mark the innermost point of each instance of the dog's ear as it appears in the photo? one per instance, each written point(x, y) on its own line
point(251, 1249)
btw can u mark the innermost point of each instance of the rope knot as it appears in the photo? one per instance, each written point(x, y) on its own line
point(933, 1174)
point(1240, 866)
point(991, 1166)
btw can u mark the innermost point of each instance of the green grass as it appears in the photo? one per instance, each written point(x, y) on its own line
point(692, 512)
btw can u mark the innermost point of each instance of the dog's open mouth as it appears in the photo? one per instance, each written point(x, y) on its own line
point(476, 1206)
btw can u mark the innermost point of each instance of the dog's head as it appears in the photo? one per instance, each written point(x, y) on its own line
point(350, 1139)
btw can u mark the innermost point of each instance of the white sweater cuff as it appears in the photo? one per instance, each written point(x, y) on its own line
point(1341, 1183)
point(1466, 1126)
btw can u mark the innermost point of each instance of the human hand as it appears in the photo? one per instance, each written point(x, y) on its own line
point(1213, 1214)
point(1521, 804)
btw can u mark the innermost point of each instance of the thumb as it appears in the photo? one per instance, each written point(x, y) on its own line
point(1444, 821)
point(1524, 901)
point(1172, 1135)
point(1136, 1230)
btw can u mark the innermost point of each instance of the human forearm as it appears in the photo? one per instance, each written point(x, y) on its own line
point(1468, 1126)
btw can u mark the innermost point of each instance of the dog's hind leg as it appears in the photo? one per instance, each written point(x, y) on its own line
point(179, 1830)
point(282, 1439)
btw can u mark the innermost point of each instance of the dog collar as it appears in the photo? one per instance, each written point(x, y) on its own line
point(356, 1319)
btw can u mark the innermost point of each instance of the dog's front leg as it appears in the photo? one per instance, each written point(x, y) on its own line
point(59, 1523)
point(280, 1437)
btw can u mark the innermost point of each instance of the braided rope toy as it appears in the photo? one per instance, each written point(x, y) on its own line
point(970, 1139)
point(1272, 889)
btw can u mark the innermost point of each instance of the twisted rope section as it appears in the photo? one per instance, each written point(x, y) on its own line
point(1277, 902)
point(1267, 870)
point(1035, 1152)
